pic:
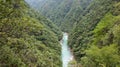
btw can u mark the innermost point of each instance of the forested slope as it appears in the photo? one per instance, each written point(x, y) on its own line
point(73, 15)
point(93, 26)
point(64, 13)
point(27, 39)
point(95, 39)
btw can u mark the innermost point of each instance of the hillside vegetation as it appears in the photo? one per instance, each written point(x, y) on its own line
point(95, 39)
point(30, 31)
point(64, 13)
point(27, 39)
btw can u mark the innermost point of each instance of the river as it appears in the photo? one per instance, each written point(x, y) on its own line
point(66, 53)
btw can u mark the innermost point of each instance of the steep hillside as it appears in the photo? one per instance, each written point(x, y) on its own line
point(96, 37)
point(26, 38)
point(64, 13)
point(74, 14)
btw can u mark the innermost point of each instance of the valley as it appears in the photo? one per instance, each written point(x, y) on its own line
point(59, 33)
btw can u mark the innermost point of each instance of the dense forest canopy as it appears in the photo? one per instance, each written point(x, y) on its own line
point(27, 39)
point(64, 13)
point(30, 31)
